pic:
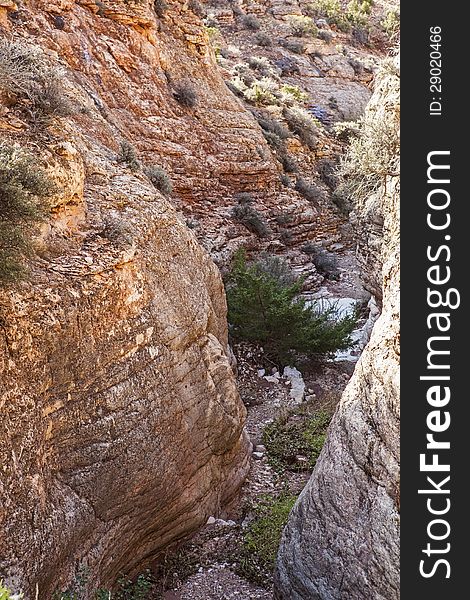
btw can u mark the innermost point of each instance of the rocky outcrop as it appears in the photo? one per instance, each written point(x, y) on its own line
point(120, 422)
point(342, 538)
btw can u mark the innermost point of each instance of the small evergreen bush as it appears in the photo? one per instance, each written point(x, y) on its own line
point(265, 306)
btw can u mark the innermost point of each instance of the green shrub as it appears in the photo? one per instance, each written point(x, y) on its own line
point(266, 307)
point(128, 156)
point(391, 24)
point(332, 11)
point(185, 94)
point(302, 26)
point(139, 589)
point(250, 22)
point(295, 436)
point(263, 536)
point(358, 12)
point(126, 589)
point(160, 179)
point(23, 188)
point(6, 594)
point(291, 93)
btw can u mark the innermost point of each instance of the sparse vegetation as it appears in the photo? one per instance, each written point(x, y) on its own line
point(118, 231)
point(309, 191)
point(391, 24)
point(288, 163)
point(356, 65)
point(327, 169)
point(248, 216)
point(332, 11)
point(263, 536)
point(303, 124)
point(250, 22)
point(160, 179)
point(346, 130)
point(285, 180)
point(356, 15)
point(324, 35)
point(185, 94)
point(296, 47)
point(263, 39)
point(272, 125)
point(24, 186)
point(291, 93)
point(6, 594)
point(360, 36)
point(260, 64)
point(325, 262)
point(29, 82)
point(294, 442)
point(358, 12)
point(266, 307)
point(373, 154)
point(302, 26)
point(263, 92)
point(197, 8)
point(160, 7)
point(126, 589)
point(288, 66)
point(128, 156)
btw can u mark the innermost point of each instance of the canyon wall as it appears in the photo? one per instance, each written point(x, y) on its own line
point(121, 428)
point(342, 538)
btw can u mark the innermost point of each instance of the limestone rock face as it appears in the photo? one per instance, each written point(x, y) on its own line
point(342, 538)
point(121, 425)
point(121, 428)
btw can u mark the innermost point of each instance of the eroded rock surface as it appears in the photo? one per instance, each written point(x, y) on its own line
point(120, 421)
point(342, 539)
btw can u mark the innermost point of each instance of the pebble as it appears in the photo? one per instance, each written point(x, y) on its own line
point(260, 448)
point(258, 455)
